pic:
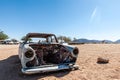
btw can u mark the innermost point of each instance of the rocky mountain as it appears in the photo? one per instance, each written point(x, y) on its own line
point(118, 41)
point(82, 40)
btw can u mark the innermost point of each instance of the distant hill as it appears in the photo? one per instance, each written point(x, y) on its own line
point(118, 41)
point(108, 41)
point(82, 40)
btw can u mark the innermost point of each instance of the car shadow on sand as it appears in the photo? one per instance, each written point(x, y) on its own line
point(10, 69)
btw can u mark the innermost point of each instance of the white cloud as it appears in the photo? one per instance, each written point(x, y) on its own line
point(93, 15)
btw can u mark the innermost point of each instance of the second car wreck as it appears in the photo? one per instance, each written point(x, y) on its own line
point(45, 54)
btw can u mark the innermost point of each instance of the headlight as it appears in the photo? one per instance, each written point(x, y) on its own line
point(31, 63)
point(75, 51)
point(29, 54)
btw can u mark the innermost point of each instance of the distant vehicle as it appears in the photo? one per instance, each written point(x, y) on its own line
point(62, 42)
point(9, 42)
point(2, 42)
point(44, 54)
point(17, 42)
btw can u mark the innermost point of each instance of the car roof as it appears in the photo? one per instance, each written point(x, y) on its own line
point(39, 35)
point(43, 35)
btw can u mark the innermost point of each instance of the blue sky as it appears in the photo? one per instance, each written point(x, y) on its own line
point(91, 19)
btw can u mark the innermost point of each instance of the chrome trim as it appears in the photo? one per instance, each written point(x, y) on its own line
point(44, 68)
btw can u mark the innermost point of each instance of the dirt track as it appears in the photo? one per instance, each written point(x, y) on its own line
point(89, 69)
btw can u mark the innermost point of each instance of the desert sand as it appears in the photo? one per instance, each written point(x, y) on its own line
point(10, 67)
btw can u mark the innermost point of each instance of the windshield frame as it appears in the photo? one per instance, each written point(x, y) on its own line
point(40, 35)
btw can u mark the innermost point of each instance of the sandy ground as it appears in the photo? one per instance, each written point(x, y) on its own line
point(10, 68)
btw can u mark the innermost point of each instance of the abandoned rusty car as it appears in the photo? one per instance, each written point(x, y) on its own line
point(41, 52)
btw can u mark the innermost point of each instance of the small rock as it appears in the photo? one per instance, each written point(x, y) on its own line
point(102, 60)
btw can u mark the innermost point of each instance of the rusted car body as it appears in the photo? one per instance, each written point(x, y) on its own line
point(45, 54)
